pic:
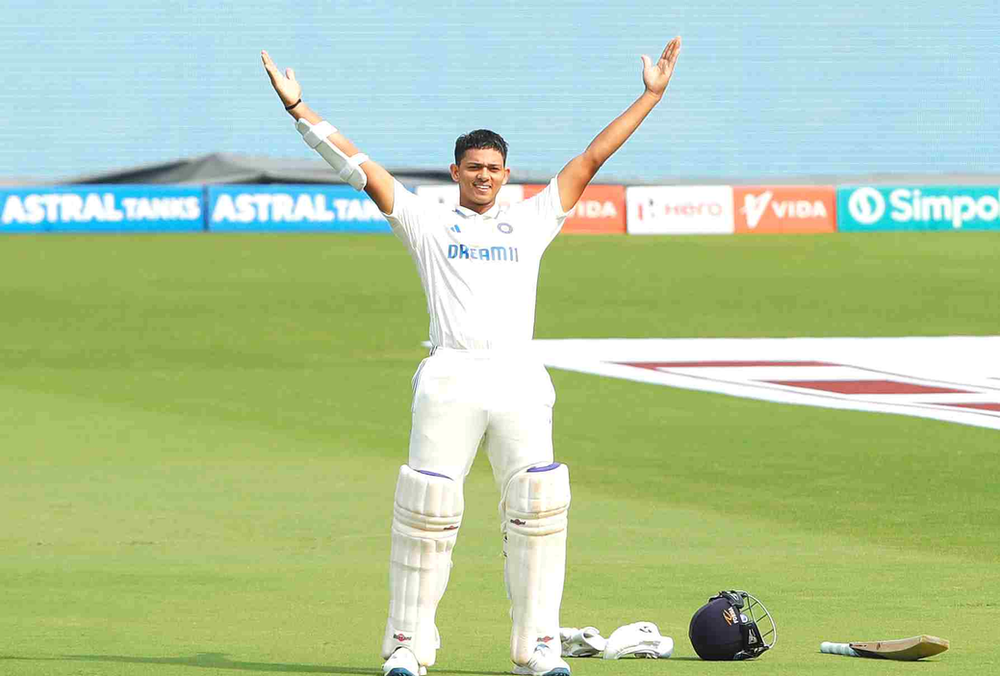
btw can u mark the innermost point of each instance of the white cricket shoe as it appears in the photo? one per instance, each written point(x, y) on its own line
point(402, 662)
point(545, 661)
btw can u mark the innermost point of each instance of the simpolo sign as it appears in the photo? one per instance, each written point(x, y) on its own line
point(872, 208)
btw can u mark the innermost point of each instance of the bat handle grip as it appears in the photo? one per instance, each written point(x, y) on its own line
point(837, 649)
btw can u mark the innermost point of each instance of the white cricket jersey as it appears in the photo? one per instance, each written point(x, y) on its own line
point(479, 272)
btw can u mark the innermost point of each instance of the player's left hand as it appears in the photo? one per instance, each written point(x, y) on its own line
point(656, 76)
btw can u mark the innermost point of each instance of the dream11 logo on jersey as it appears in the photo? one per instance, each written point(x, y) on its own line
point(784, 209)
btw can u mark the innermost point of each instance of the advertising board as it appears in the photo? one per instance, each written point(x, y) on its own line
point(785, 209)
point(299, 208)
point(873, 208)
point(680, 210)
point(102, 208)
point(600, 211)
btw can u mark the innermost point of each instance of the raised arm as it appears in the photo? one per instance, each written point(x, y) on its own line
point(575, 176)
point(380, 185)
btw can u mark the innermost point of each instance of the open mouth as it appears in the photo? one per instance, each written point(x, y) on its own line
point(481, 188)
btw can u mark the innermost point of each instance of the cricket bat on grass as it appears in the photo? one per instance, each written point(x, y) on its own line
point(905, 649)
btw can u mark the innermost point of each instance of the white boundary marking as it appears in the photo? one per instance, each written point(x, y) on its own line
point(970, 364)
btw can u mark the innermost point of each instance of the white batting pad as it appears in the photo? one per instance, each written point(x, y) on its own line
point(535, 518)
point(426, 516)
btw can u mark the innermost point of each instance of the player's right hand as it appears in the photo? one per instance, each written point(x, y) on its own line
point(287, 87)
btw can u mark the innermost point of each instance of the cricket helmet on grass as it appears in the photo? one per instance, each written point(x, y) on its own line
point(733, 625)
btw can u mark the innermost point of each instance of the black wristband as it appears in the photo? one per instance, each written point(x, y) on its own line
point(294, 104)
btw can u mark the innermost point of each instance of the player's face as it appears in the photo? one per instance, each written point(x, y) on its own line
point(479, 175)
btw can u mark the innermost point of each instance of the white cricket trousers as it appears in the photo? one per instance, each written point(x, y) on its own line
point(461, 397)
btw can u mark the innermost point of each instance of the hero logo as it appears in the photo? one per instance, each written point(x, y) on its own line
point(867, 206)
point(754, 207)
point(685, 209)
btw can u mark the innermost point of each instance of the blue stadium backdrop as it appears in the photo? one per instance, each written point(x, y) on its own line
point(763, 89)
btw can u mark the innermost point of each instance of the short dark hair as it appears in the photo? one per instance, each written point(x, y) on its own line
point(477, 140)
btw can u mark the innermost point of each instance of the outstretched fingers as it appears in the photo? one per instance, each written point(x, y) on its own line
point(285, 85)
point(671, 51)
point(268, 63)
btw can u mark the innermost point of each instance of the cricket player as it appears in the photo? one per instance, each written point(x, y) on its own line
point(478, 264)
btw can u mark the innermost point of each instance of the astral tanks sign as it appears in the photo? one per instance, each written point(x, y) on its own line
point(101, 208)
point(871, 208)
point(292, 207)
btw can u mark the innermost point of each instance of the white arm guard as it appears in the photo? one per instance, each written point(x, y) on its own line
point(348, 168)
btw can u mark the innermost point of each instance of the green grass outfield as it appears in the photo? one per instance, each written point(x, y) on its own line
point(200, 436)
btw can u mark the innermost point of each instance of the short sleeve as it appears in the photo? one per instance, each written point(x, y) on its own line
point(548, 209)
point(405, 217)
